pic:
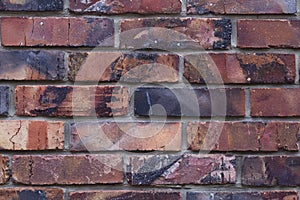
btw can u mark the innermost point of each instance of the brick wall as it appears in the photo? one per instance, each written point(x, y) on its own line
point(149, 99)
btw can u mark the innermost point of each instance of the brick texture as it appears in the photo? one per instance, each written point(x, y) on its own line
point(243, 136)
point(59, 169)
point(31, 193)
point(31, 135)
point(4, 169)
point(4, 100)
point(31, 5)
point(125, 136)
point(102, 101)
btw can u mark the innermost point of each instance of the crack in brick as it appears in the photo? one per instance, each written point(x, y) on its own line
point(17, 132)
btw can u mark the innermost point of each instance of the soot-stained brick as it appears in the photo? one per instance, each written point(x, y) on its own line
point(32, 5)
point(4, 100)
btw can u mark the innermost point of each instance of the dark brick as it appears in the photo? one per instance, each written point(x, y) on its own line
point(271, 171)
point(127, 67)
point(240, 68)
point(126, 6)
point(176, 33)
point(31, 5)
point(32, 65)
point(4, 100)
point(60, 169)
point(31, 194)
point(254, 33)
point(243, 136)
point(213, 102)
point(185, 169)
point(4, 170)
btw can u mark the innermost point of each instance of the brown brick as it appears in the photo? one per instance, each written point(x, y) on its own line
point(181, 169)
point(4, 169)
point(241, 7)
point(124, 195)
point(271, 171)
point(128, 67)
point(243, 136)
point(176, 33)
point(260, 33)
point(277, 194)
point(126, 6)
point(31, 135)
point(286, 100)
point(57, 31)
point(31, 5)
point(71, 100)
point(240, 68)
point(32, 65)
point(31, 193)
point(60, 169)
point(93, 136)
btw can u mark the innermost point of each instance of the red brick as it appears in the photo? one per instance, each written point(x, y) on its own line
point(286, 100)
point(271, 171)
point(260, 33)
point(243, 136)
point(240, 68)
point(128, 67)
point(241, 7)
point(126, 6)
point(71, 100)
point(4, 169)
point(277, 194)
point(181, 169)
point(130, 136)
point(66, 170)
point(31, 193)
point(175, 33)
point(124, 195)
point(31, 135)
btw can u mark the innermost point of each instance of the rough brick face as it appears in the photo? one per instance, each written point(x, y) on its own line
point(31, 5)
point(175, 103)
point(71, 100)
point(4, 100)
point(57, 31)
point(271, 171)
point(126, 6)
point(243, 136)
point(59, 169)
point(124, 194)
point(286, 99)
point(241, 7)
point(4, 169)
point(184, 169)
point(32, 65)
point(251, 68)
point(127, 67)
point(175, 33)
point(31, 193)
point(125, 136)
point(31, 135)
point(260, 33)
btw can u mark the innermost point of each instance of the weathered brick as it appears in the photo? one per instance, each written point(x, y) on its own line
point(128, 67)
point(286, 100)
point(271, 171)
point(260, 33)
point(240, 68)
point(211, 102)
point(31, 135)
point(60, 169)
point(4, 100)
point(71, 100)
point(176, 33)
point(56, 31)
point(243, 136)
point(4, 169)
point(31, 5)
point(181, 169)
point(126, 6)
point(124, 195)
point(31, 193)
point(277, 194)
point(93, 136)
point(241, 7)
point(32, 65)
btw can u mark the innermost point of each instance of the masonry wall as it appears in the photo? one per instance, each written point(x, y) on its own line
point(149, 99)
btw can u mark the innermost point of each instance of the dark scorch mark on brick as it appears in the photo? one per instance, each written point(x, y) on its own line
point(32, 5)
point(223, 31)
point(76, 60)
point(32, 195)
point(4, 100)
